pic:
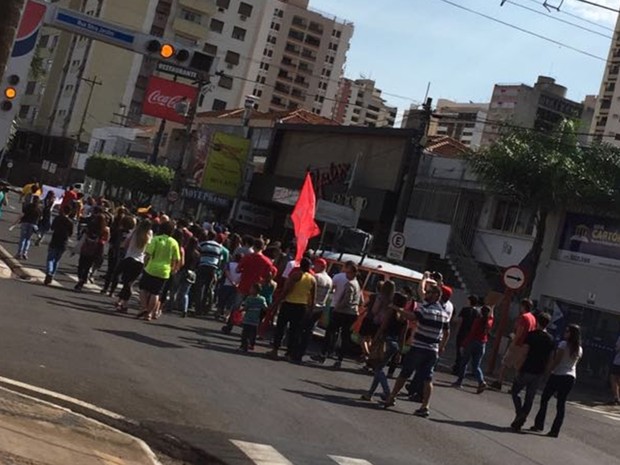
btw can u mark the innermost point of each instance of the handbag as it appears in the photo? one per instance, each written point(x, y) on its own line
point(236, 317)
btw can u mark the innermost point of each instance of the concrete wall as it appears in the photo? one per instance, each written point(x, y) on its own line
point(500, 248)
point(427, 236)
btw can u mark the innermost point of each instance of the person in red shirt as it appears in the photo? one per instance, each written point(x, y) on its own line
point(525, 323)
point(474, 346)
point(69, 198)
point(254, 269)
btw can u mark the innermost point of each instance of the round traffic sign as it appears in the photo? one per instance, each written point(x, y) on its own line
point(173, 196)
point(514, 278)
point(398, 240)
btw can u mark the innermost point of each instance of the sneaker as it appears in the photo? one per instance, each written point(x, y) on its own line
point(366, 397)
point(536, 429)
point(496, 385)
point(423, 412)
point(318, 358)
point(48, 280)
point(337, 364)
point(552, 434)
point(481, 388)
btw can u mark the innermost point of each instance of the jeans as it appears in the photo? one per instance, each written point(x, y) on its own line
point(84, 265)
point(53, 259)
point(26, 232)
point(339, 323)
point(562, 385)
point(391, 349)
point(291, 315)
point(206, 277)
point(474, 352)
point(182, 295)
point(530, 383)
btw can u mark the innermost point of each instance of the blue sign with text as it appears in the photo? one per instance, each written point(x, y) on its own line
point(95, 29)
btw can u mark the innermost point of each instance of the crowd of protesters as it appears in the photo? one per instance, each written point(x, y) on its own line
point(252, 282)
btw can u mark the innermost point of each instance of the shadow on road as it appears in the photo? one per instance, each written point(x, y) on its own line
point(341, 400)
point(479, 425)
point(141, 338)
point(72, 305)
point(332, 387)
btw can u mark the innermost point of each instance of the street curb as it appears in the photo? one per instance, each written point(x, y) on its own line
point(15, 266)
point(144, 446)
point(165, 443)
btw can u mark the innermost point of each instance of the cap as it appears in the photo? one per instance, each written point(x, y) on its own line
point(446, 292)
point(320, 262)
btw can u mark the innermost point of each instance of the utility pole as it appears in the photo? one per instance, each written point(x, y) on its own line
point(91, 83)
point(413, 156)
point(157, 142)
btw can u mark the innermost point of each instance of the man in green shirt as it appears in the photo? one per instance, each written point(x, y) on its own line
point(163, 257)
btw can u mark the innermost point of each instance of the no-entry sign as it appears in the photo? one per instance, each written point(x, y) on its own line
point(514, 278)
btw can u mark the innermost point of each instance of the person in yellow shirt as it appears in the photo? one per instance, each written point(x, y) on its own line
point(299, 297)
point(28, 189)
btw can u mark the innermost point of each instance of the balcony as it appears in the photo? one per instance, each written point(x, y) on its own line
point(200, 6)
point(302, 83)
point(288, 62)
point(284, 75)
point(191, 29)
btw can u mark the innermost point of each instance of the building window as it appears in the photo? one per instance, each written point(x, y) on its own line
point(278, 12)
point(264, 66)
point(44, 41)
point(157, 31)
point(232, 58)
point(238, 33)
point(299, 21)
point(224, 4)
point(75, 63)
point(69, 87)
point(23, 111)
point(210, 49)
point(275, 26)
point(245, 9)
point(218, 104)
point(216, 25)
point(316, 27)
point(293, 34)
point(61, 112)
point(30, 87)
point(225, 82)
point(191, 16)
point(314, 41)
point(268, 52)
point(512, 218)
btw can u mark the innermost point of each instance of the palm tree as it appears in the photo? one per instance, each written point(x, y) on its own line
point(9, 20)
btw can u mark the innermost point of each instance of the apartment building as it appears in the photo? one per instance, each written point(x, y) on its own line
point(540, 106)
point(461, 121)
point(283, 53)
point(359, 103)
point(606, 121)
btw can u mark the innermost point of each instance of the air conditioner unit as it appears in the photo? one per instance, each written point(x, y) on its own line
point(243, 17)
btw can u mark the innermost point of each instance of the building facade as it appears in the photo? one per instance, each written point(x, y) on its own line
point(283, 53)
point(541, 106)
point(359, 103)
point(461, 121)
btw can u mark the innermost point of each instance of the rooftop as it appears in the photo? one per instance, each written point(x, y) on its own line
point(445, 146)
point(299, 116)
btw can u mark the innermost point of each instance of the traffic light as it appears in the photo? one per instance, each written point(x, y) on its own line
point(9, 92)
point(167, 51)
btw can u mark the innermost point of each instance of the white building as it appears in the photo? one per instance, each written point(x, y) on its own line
point(461, 121)
point(360, 104)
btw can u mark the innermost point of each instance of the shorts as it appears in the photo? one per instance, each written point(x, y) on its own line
point(152, 284)
point(615, 370)
point(420, 361)
point(514, 354)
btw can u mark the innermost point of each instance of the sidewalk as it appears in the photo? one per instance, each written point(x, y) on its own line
point(37, 433)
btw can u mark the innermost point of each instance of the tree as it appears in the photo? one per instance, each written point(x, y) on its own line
point(549, 171)
point(141, 179)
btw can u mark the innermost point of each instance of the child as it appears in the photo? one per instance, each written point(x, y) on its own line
point(253, 306)
point(269, 288)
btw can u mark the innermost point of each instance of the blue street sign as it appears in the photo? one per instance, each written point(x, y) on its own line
point(91, 28)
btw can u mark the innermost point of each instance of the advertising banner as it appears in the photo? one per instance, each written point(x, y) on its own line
point(162, 96)
point(590, 240)
point(225, 165)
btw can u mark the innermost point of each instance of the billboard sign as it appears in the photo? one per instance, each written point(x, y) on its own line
point(225, 164)
point(162, 97)
point(590, 240)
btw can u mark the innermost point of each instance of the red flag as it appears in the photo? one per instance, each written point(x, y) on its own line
point(303, 217)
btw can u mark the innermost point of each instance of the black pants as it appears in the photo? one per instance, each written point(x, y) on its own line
point(459, 357)
point(339, 323)
point(128, 270)
point(308, 326)
point(291, 315)
point(204, 287)
point(562, 385)
point(84, 265)
point(114, 258)
point(248, 336)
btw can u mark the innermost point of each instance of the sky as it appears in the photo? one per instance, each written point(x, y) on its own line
point(405, 44)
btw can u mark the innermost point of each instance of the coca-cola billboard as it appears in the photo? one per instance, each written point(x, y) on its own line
point(163, 97)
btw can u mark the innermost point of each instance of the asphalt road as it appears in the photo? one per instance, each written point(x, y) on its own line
point(183, 377)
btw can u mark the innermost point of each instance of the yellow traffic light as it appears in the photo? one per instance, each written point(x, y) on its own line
point(10, 93)
point(166, 51)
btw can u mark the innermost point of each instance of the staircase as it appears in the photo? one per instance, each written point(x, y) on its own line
point(466, 268)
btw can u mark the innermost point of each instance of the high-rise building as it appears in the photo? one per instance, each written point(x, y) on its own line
point(542, 107)
point(461, 121)
point(606, 121)
point(359, 103)
point(283, 53)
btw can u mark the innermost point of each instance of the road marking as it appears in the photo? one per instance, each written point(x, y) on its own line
point(348, 460)
point(261, 454)
point(612, 416)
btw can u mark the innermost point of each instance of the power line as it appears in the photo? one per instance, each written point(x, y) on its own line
point(598, 5)
point(525, 31)
point(580, 18)
point(559, 19)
